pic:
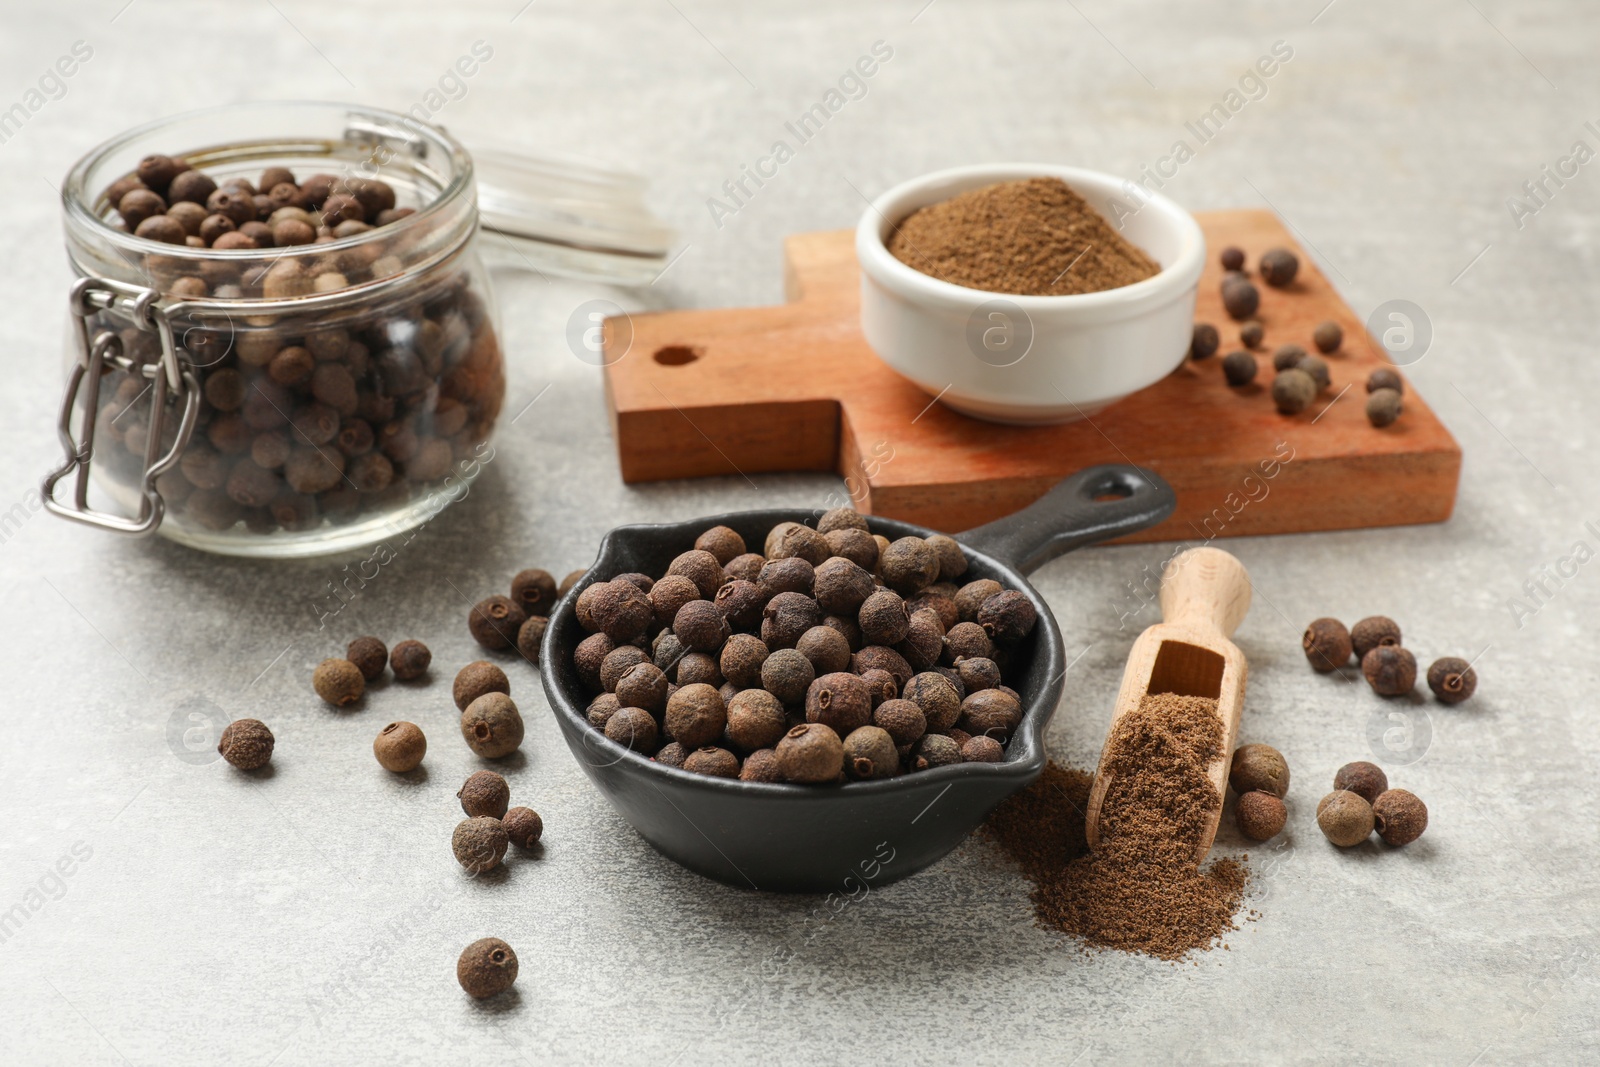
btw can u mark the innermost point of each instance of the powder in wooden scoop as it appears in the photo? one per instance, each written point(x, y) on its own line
point(1141, 890)
point(1032, 237)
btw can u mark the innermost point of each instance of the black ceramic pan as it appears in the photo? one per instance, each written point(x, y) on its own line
point(845, 838)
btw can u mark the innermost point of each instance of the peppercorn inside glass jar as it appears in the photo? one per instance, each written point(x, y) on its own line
point(284, 341)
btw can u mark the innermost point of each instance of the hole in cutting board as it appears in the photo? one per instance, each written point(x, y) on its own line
point(1188, 670)
point(675, 355)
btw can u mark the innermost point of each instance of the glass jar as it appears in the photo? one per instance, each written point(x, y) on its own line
point(280, 401)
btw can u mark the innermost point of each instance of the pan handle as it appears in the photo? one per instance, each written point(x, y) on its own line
point(1096, 504)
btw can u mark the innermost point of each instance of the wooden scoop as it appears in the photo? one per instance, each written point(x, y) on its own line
point(1205, 593)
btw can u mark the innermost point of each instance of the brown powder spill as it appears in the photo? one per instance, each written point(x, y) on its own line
point(1033, 237)
point(1140, 891)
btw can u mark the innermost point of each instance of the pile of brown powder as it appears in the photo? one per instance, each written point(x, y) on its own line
point(1033, 237)
point(1140, 891)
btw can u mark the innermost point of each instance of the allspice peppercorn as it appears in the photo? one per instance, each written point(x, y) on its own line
point(977, 672)
point(908, 565)
point(857, 546)
point(827, 649)
point(492, 726)
point(982, 749)
point(1344, 818)
point(1260, 815)
point(1373, 631)
point(991, 713)
point(600, 710)
point(901, 719)
point(967, 640)
point(246, 743)
point(534, 590)
point(523, 826)
point(741, 602)
point(810, 753)
point(1240, 298)
point(486, 967)
point(399, 747)
point(869, 752)
point(938, 699)
point(840, 586)
point(840, 700)
point(339, 682)
point(970, 597)
point(633, 728)
point(841, 518)
point(369, 655)
point(1328, 336)
point(1259, 768)
point(1364, 779)
point(479, 843)
point(1384, 407)
point(476, 679)
point(1327, 644)
point(696, 715)
point(791, 539)
point(671, 754)
point(1251, 333)
point(1239, 368)
point(723, 543)
point(786, 617)
point(669, 594)
point(1390, 670)
point(572, 579)
point(1286, 356)
point(761, 766)
point(880, 683)
point(1385, 378)
point(935, 750)
point(1452, 679)
point(1399, 816)
point(643, 685)
point(700, 567)
point(620, 610)
point(787, 674)
point(884, 618)
point(1008, 616)
point(1278, 267)
point(484, 793)
point(952, 560)
point(756, 719)
point(1293, 390)
point(788, 575)
point(494, 622)
point(741, 659)
point(1231, 258)
point(617, 663)
point(530, 637)
point(924, 641)
point(1317, 367)
point(1203, 344)
point(701, 627)
point(409, 660)
point(712, 761)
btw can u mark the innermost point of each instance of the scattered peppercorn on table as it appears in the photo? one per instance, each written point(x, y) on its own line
point(296, 898)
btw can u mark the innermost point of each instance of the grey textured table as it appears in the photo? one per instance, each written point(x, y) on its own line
point(314, 916)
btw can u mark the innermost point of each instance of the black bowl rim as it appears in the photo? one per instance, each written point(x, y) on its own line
point(1036, 713)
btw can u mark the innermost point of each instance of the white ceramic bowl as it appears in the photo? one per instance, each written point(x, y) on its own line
point(1031, 359)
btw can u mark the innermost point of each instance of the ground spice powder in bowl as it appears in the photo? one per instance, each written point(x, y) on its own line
point(1032, 237)
point(1141, 891)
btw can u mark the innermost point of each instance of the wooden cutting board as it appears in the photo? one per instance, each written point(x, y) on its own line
point(796, 388)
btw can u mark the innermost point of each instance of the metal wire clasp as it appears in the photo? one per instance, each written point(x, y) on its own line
point(97, 354)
